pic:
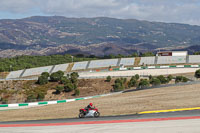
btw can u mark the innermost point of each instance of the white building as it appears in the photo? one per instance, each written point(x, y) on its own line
point(172, 53)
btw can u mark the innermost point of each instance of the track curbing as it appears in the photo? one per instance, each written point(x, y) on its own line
point(170, 110)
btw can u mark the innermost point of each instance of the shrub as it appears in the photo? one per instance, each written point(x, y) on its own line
point(137, 76)
point(143, 83)
point(60, 73)
point(132, 82)
point(150, 77)
point(74, 77)
point(185, 79)
point(40, 95)
point(65, 80)
point(162, 79)
point(77, 92)
point(74, 74)
point(118, 87)
point(181, 79)
point(178, 79)
point(46, 74)
point(56, 76)
point(197, 73)
point(119, 84)
point(69, 87)
point(31, 97)
point(155, 81)
point(108, 78)
point(42, 80)
point(59, 89)
point(169, 77)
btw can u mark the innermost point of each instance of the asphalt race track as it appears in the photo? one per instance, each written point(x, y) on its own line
point(176, 122)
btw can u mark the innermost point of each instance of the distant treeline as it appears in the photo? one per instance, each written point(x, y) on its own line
point(25, 62)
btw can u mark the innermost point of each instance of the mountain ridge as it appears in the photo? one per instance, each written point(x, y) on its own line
point(38, 33)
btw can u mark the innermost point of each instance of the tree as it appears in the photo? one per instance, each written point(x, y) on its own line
point(178, 79)
point(59, 89)
point(108, 78)
point(170, 77)
point(65, 80)
point(185, 79)
point(46, 74)
point(74, 77)
point(77, 92)
point(42, 80)
point(137, 76)
point(135, 54)
point(155, 81)
point(69, 87)
point(132, 82)
point(162, 79)
point(143, 83)
point(147, 54)
point(181, 79)
point(119, 84)
point(150, 77)
point(56, 76)
point(197, 73)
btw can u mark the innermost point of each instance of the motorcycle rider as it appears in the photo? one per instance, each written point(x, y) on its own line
point(90, 106)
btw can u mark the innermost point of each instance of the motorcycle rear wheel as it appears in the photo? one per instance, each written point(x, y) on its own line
point(81, 115)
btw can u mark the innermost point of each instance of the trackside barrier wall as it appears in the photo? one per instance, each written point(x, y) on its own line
point(103, 63)
point(127, 61)
point(61, 67)
point(171, 59)
point(37, 71)
point(194, 58)
point(14, 74)
point(147, 60)
point(80, 65)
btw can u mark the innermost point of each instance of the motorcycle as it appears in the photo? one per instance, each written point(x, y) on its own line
point(90, 113)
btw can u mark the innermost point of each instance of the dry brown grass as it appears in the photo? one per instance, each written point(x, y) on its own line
point(119, 104)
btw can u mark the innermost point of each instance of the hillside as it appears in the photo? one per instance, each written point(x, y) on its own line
point(40, 35)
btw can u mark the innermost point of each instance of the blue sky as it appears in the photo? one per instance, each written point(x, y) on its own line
point(179, 11)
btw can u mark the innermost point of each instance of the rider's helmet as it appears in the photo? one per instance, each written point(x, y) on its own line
point(91, 104)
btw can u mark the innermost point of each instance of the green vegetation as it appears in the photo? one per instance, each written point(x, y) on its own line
point(147, 54)
point(108, 78)
point(181, 79)
point(134, 81)
point(120, 84)
point(25, 62)
point(155, 81)
point(56, 76)
point(197, 73)
point(77, 92)
point(143, 83)
point(42, 80)
point(59, 89)
point(162, 79)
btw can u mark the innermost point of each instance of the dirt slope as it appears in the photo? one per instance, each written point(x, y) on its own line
point(126, 103)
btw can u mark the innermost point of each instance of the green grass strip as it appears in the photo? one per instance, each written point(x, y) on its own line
point(61, 101)
point(41, 103)
point(23, 104)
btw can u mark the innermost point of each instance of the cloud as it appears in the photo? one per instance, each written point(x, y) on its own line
point(180, 11)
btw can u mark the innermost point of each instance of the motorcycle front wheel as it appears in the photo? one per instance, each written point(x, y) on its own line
point(96, 114)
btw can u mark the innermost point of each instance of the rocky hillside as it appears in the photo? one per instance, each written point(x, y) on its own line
point(53, 35)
